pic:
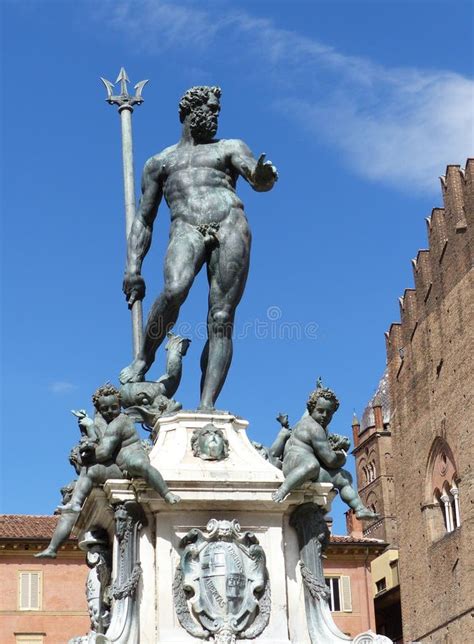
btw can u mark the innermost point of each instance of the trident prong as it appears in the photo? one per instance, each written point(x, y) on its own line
point(139, 88)
point(123, 78)
point(108, 86)
point(124, 100)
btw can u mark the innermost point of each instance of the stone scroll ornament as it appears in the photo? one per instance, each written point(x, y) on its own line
point(221, 586)
point(95, 543)
point(313, 538)
point(114, 604)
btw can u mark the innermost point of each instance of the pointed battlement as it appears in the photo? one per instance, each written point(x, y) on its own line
point(454, 189)
point(439, 268)
point(394, 342)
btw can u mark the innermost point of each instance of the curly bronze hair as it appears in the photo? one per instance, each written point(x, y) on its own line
point(194, 97)
point(321, 392)
point(105, 390)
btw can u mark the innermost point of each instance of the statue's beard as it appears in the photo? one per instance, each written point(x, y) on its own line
point(203, 125)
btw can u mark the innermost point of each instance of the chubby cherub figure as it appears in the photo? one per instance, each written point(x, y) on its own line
point(119, 444)
point(312, 454)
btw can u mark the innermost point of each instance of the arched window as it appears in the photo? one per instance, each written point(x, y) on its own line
point(372, 502)
point(373, 472)
point(442, 495)
point(363, 474)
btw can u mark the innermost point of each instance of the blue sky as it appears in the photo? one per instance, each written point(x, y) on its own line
point(359, 104)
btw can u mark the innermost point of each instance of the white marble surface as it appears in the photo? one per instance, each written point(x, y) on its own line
point(239, 487)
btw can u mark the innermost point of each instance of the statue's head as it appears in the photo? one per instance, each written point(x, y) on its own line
point(209, 443)
point(106, 400)
point(122, 521)
point(200, 107)
point(322, 404)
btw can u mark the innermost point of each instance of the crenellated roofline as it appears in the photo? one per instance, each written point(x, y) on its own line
point(449, 232)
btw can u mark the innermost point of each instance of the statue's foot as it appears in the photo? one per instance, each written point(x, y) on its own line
point(279, 495)
point(206, 406)
point(366, 515)
point(134, 372)
point(172, 498)
point(49, 553)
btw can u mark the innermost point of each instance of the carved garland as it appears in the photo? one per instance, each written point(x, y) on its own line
point(316, 589)
point(128, 588)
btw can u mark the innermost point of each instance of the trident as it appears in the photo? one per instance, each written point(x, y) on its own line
point(125, 104)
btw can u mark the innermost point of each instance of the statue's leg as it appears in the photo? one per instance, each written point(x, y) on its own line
point(60, 534)
point(298, 469)
point(139, 465)
point(82, 489)
point(342, 480)
point(184, 259)
point(227, 273)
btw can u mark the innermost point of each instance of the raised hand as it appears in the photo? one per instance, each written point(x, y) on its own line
point(265, 173)
point(283, 420)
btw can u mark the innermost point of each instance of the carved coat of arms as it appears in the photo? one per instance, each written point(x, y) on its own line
point(221, 586)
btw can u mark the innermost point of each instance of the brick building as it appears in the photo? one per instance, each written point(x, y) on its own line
point(430, 357)
point(372, 439)
point(373, 452)
point(42, 601)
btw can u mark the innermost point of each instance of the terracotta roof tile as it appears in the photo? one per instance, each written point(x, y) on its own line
point(336, 538)
point(27, 526)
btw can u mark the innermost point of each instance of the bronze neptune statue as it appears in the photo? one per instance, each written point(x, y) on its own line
point(197, 177)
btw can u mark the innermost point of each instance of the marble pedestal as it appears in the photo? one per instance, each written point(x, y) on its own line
point(239, 488)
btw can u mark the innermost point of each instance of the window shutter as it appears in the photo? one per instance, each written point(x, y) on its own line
point(346, 598)
point(30, 590)
point(24, 591)
point(34, 591)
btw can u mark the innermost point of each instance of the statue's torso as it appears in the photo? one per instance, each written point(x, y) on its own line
point(304, 432)
point(199, 182)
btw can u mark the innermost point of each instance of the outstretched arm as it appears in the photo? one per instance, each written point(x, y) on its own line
point(139, 239)
point(260, 174)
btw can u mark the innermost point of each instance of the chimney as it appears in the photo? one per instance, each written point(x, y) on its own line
point(329, 522)
point(354, 526)
point(355, 430)
point(378, 414)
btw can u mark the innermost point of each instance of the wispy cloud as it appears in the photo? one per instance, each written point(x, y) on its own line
point(61, 387)
point(400, 126)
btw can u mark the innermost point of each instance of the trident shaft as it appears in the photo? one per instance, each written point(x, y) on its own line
point(125, 104)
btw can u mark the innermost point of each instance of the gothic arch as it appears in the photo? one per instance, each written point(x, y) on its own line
point(440, 468)
point(362, 469)
point(372, 502)
point(441, 491)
